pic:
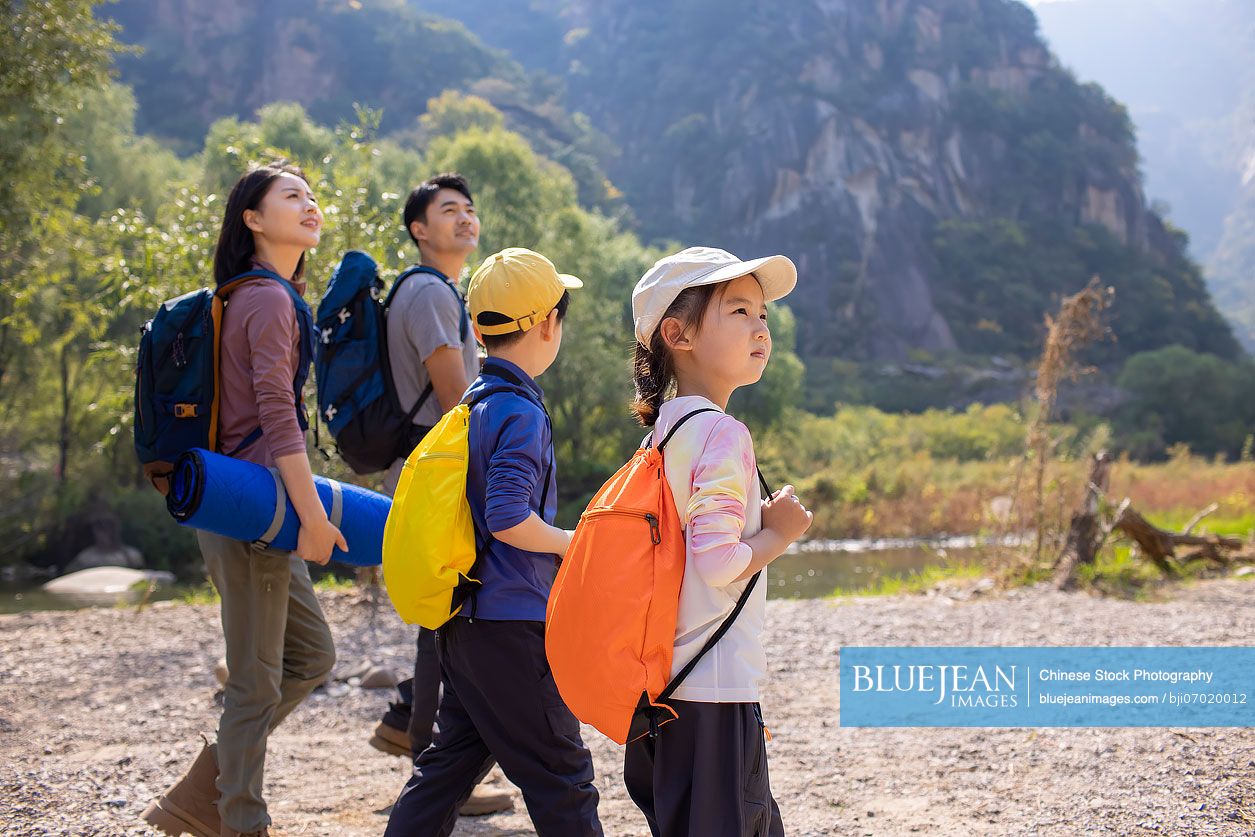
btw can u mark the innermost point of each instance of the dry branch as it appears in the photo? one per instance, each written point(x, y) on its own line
point(1086, 533)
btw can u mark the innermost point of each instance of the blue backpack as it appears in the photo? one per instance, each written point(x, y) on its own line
point(176, 375)
point(356, 395)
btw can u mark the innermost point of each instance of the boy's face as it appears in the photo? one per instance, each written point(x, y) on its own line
point(451, 226)
point(734, 341)
point(537, 349)
point(546, 338)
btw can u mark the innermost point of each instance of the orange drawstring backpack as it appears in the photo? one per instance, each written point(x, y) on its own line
point(611, 616)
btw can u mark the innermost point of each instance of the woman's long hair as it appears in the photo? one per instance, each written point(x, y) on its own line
point(236, 247)
point(653, 367)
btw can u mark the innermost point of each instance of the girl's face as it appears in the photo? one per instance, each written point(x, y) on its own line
point(733, 344)
point(288, 215)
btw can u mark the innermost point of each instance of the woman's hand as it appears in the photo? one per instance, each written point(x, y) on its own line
point(315, 542)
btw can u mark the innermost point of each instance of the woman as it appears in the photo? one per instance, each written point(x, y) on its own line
point(278, 645)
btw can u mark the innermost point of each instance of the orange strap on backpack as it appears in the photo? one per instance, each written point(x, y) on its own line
point(611, 617)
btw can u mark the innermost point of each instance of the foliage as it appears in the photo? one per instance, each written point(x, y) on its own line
point(451, 113)
point(1177, 396)
point(109, 267)
point(55, 54)
point(997, 279)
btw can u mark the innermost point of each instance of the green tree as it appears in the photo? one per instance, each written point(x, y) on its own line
point(121, 169)
point(1177, 396)
point(452, 113)
point(55, 53)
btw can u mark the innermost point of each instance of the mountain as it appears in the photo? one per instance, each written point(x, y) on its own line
point(1186, 71)
point(203, 61)
point(939, 178)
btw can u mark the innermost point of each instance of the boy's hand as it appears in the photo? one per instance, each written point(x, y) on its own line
point(785, 515)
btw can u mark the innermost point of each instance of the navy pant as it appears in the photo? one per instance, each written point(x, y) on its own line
point(499, 703)
point(705, 774)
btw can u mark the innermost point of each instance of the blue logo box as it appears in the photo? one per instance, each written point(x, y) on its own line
point(1069, 686)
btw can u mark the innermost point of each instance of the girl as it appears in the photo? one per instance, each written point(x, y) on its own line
point(278, 645)
point(701, 324)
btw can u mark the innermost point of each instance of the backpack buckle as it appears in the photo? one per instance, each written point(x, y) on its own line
point(186, 410)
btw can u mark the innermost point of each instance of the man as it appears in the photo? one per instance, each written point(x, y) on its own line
point(433, 356)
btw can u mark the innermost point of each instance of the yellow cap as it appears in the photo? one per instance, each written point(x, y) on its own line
point(519, 285)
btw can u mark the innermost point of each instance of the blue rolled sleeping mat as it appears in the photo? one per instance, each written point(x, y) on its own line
point(248, 502)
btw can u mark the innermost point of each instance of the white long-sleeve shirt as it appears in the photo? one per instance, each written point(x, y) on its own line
point(711, 469)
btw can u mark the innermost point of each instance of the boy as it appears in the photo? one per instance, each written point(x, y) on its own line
point(499, 702)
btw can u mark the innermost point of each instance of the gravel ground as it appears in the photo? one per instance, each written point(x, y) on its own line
point(100, 709)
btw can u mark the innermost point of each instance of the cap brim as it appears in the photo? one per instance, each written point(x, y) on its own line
point(569, 281)
point(776, 274)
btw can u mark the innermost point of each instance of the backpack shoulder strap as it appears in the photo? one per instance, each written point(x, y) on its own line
point(305, 328)
point(464, 325)
point(723, 628)
point(677, 426)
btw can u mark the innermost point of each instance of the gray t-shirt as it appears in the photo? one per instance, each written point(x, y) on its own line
point(425, 316)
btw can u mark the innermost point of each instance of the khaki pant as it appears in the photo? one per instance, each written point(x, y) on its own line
point(278, 649)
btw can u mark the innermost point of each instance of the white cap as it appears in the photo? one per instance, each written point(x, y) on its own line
point(698, 266)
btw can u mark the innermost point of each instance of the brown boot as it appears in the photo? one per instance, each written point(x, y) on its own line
point(484, 800)
point(190, 805)
point(388, 739)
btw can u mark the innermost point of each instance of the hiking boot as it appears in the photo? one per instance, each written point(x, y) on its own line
point(388, 739)
point(228, 831)
point(484, 801)
point(392, 734)
point(190, 805)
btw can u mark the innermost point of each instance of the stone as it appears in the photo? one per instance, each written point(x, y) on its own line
point(105, 585)
point(379, 677)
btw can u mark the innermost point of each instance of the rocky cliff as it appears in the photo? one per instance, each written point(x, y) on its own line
point(939, 178)
point(858, 137)
point(203, 61)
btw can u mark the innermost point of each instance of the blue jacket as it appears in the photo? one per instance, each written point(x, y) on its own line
point(509, 476)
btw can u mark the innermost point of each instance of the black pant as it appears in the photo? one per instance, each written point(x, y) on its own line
point(425, 691)
point(499, 703)
point(705, 774)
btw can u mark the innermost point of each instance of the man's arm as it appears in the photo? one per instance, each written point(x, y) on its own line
point(448, 376)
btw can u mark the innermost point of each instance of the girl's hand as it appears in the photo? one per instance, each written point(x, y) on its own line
point(314, 543)
point(784, 514)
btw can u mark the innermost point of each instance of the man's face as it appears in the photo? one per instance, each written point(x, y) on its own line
point(451, 227)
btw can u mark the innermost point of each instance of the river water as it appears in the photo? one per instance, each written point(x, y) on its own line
point(813, 570)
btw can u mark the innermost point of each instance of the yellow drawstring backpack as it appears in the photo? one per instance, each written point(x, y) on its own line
point(429, 539)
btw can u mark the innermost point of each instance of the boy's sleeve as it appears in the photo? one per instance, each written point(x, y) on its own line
point(431, 319)
point(716, 508)
point(515, 467)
